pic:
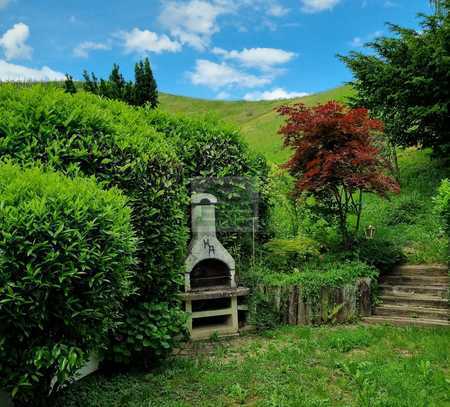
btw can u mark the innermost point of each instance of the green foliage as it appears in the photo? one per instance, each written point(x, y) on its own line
point(405, 82)
point(149, 329)
point(381, 253)
point(346, 341)
point(442, 202)
point(66, 254)
point(407, 209)
point(290, 253)
point(421, 239)
point(69, 86)
point(322, 274)
point(84, 134)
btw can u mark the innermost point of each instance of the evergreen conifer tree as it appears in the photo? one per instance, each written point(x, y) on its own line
point(151, 88)
point(139, 85)
point(69, 86)
point(116, 83)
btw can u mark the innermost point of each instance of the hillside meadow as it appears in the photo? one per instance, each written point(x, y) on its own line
point(257, 121)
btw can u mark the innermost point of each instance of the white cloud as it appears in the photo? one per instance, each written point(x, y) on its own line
point(194, 22)
point(4, 3)
point(316, 6)
point(144, 41)
point(14, 44)
point(277, 10)
point(216, 76)
point(223, 95)
point(82, 50)
point(358, 42)
point(263, 58)
point(12, 72)
point(275, 94)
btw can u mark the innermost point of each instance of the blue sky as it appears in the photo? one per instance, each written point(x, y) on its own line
point(226, 49)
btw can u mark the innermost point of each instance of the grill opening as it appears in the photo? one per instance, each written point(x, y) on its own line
point(212, 304)
point(212, 323)
point(210, 273)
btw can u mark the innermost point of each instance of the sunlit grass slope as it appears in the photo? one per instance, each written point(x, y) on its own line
point(258, 121)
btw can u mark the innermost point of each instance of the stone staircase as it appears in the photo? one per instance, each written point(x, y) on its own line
point(413, 295)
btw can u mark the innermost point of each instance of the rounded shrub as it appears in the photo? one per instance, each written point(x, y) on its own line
point(382, 253)
point(67, 253)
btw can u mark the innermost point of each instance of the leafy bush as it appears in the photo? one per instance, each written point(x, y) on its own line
point(405, 210)
point(290, 253)
point(66, 253)
point(151, 328)
point(381, 253)
point(442, 202)
point(84, 134)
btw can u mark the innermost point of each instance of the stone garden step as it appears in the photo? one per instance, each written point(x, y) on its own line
point(438, 291)
point(412, 312)
point(415, 300)
point(418, 279)
point(425, 270)
point(402, 321)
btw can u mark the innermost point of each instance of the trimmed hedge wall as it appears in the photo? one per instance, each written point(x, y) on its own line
point(67, 253)
point(84, 134)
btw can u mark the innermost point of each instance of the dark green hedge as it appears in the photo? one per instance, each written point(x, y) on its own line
point(67, 254)
point(215, 152)
point(84, 134)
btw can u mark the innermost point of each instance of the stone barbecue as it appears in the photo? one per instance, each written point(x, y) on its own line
point(214, 302)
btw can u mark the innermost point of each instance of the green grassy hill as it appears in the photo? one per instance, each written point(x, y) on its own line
point(257, 121)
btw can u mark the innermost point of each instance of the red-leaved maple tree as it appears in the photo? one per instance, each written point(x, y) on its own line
point(335, 159)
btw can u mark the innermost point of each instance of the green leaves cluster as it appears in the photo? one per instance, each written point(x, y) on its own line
point(150, 328)
point(67, 253)
point(406, 81)
point(442, 202)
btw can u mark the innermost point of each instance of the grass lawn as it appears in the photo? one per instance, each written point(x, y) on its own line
point(291, 366)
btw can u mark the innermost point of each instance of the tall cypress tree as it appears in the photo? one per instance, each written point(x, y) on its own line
point(151, 87)
point(139, 85)
point(117, 83)
point(87, 83)
point(90, 84)
point(69, 86)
